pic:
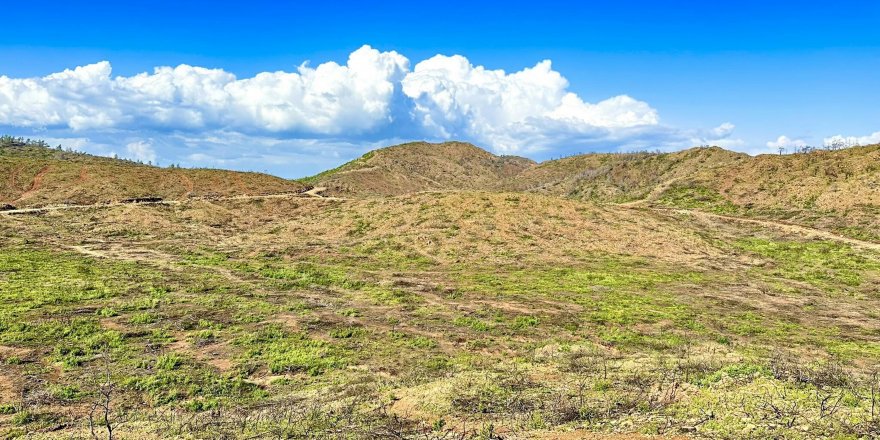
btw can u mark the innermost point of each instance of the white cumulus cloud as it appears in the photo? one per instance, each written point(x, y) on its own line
point(327, 99)
point(851, 141)
point(141, 150)
point(335, 110)
point(515, 111)
point(786, 142)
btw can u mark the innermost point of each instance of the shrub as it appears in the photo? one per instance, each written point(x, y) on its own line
point(169, 361)
point(143, 318)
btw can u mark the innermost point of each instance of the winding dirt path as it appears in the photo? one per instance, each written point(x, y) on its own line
point(118, 251)
point(316, 191)
point(788, 227)
point(791, 228)
point(654, 194)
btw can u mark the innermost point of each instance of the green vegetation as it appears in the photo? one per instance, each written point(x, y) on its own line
point(465, 315)
point(829, 266)
point(627, 343)
point(697, 197)
point(285, 352)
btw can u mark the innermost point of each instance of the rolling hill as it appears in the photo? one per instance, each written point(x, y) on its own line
point(835, 190)
point(420, 166)
point(832, 190)
point(33, 175)
point(435, 315)
point(447, 294)
point(617, 177)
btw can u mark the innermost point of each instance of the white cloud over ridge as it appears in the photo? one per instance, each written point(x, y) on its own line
point(374, 96)
point(454, 99)
point(851, 141)
point(141, 150)
point(786, 142)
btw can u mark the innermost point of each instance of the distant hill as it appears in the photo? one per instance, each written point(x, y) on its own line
point(34, 175)
point(421, 166)
point(615, 177)
point(834, 190)
point(838, 190)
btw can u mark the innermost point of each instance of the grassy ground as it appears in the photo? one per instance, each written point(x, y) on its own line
point(454, 315)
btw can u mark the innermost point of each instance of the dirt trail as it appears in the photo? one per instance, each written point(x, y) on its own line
point(316, 192)
point(303, 196)
point(36, 183)
point(128, 252)
point(90, 252)
point(118, 251)
point(775, 224)
point(75, 207)
point(780, 225)
point(654, 194)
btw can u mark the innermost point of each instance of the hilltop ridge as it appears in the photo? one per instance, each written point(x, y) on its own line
point(617, 177)
point(421, 166)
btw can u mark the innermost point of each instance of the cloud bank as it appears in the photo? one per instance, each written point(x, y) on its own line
point(201, 115)
point(328, 99)
point(852, 141)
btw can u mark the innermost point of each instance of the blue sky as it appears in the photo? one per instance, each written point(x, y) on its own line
point(623, 76)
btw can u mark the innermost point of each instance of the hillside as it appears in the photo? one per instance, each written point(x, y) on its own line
point(33, 175)
point(836, 190)
point(823, 180)
point(439, 315)
point(832, 190)
point(599, 296)
point(420, 166)
point(617, 177)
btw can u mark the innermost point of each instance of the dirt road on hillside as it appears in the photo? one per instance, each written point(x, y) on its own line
point(778, 225)
point(312, 194)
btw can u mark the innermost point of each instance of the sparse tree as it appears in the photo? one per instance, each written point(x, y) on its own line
point(837, 144)
point(103, 410)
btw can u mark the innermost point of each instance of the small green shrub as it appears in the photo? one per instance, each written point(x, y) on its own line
point(347, 332)
point(422, 342)
point(169, 361)
point(143, 318)
point(23, 418)
point(473, 323)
